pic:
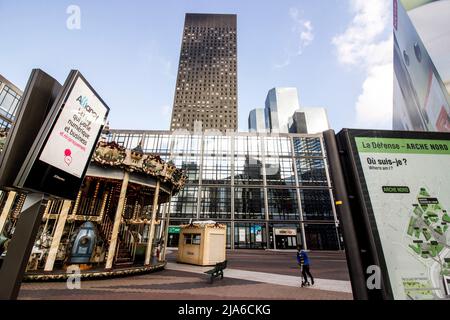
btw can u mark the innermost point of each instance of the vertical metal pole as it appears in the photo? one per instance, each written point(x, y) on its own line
point(166, 231)
point(200, 177)
point(352, 250)
point(49, 263)
point(333, 206)
point(265, 191)
point(77, 203)
point(233, 166)
point(299, 198)
point(19, 250)
point(117, 221)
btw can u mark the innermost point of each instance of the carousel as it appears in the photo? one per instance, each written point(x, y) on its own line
point(118, 224)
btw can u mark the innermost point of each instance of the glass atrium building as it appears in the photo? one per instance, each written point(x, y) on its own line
point(272, 191)
point(10, 97)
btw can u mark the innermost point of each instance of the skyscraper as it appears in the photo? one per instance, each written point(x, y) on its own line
point(206, 88)
point(309, 120)
point(256, 120)
point(281, 103)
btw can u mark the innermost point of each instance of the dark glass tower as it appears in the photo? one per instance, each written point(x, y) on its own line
point(206, 89)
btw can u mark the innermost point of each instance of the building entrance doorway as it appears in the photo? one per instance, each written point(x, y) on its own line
point(285, 238)
point(173, 236)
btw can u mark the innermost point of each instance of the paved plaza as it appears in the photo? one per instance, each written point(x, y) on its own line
point(250, 275)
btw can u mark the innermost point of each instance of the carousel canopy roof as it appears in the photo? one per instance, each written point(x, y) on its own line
point(111, 154)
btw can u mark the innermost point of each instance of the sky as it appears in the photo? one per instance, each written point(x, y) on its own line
point(337, 53)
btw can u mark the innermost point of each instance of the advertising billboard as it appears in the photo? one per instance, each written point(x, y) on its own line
point(74, 133)
point(60, 155)
point(403, 187)
point(421, 101)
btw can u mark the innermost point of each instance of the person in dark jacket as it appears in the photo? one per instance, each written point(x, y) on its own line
point(303, 261)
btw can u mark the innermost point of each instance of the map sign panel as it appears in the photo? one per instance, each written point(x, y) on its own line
point(407, 182)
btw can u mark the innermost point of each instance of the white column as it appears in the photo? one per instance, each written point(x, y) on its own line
point(57, 236)
point(149, 251)
point(117, 221)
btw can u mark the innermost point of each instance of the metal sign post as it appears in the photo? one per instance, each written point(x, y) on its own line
point(19, 250)
point(352, 249)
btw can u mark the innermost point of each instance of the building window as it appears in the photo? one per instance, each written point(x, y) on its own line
point(250, 235)
point(184, 205)
point(190, 166)
point(216, 170)
point(9, 101)
point(307, 147)
point(283, 204)
point(316, 204)
point(215, 203)
point(249, 203)
point(248, 171)
point(321, 237)
point(311, 172)
point(280, 171)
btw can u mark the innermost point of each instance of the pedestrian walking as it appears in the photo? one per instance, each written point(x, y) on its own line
point(303, 261)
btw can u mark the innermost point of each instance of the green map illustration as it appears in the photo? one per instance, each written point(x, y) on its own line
point(427, 233)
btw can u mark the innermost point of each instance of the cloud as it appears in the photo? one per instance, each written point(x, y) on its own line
point(367, 45)
point(374, 105)
point(303, 31)
point(155, 61)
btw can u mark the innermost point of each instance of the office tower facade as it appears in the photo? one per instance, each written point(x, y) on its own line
point(430, 18)
point(281, 103)
point(206, 87)
point(256, 120)
point(421, 100)
point(309, 120)
point(272, 191)
point(10, 97)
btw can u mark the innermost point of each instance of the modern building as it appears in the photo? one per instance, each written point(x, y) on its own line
point(281, 103)
point(206, 87)
point(257, 121)
point(272, 191)
point(10, 97)
point(309, 120)
point(421, 99)
point(430, 18)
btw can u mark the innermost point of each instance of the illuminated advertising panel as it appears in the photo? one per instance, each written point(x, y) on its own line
point(75, 132)
point(58, 160)
point(421, 101)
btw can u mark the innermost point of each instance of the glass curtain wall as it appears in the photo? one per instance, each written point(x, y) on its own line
point(271, 191)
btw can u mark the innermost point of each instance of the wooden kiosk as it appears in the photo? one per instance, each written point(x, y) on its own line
point(202, 243)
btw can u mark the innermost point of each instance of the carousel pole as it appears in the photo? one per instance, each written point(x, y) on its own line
point(166, 228)
point(57, 236)
point(149, 251)
point(117, 221)
point(102, 209)
point(5, 212)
